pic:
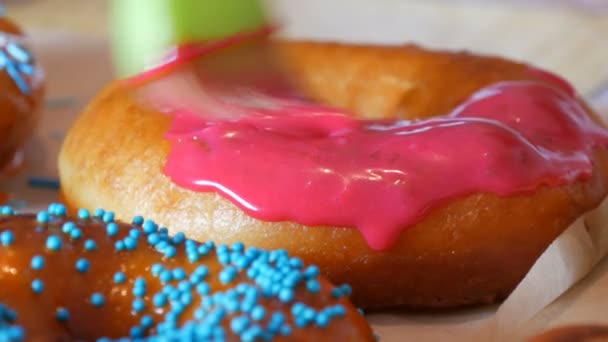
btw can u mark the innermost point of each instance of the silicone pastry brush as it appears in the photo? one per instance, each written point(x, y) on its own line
point(202, 56)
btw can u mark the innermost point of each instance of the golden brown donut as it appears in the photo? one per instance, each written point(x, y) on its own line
point(21, 83)
point(88, 276)
point(574, 333)
point(471, 250)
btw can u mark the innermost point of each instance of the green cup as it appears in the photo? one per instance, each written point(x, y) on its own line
point(143, 30)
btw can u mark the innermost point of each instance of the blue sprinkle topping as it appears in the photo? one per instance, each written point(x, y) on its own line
point(62, 314)
point(119, 245)
point(108, 216)
point(37, 262)
point(98, 213)
point(42, 217)
point(66, 227)
point(90, 245)
point(119, 277)
point(112, 228)
point(98, 300)
point(6, 210)
point(84, 214)
point(138, 220)
point(7, 238)
point(53, 242)
point(267, 275)
point(37, 286)
point(83, 265)
point(76, 233)
point(138, 305)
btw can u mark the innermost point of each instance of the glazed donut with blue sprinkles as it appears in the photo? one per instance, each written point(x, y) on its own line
point(89, 277)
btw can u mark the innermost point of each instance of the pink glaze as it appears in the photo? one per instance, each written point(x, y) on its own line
point(325, 168)
point(297, 161)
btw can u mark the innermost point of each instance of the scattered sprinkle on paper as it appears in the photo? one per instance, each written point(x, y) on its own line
point(43, 183)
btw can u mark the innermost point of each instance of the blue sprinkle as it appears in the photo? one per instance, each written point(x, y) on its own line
point(238, 247)
point(37, 262)
point(297, 308)
point(296, 263)
point(347, 290)
point(149, 227)
point(13, 334)
point(170, 252)
point(223, 258)
point(139, 291)
point(322, 319)
point(76, 233)
point(147, 321)
point(112, 228)
point(98, 213)
point(139, 282)
point(53, 243)
point(135, 233)
point(174, 294)
point(308, 314)
point(82, 265)
point(184, 286)
point(138, 220)
point(313, 286)
point(179, 274)
point(43, 183)
point(285, 330)
point(130, 243)
point(62, 314)
point(202, 270)
point(90, 245)
point(37, 286)
point(6, 211)
point(42, 217)
point(153, 239)
point(21, 55)
point(119, 245)
point(193, 257)
point(165, 276)
point(119, 277)
point(97, 299)
point(163, 231)
point(258, 313)
point(286, 295)
point(203, 289)
point(66, 227)
point(239, 324)
point(228, 275)
point(156, 269)
point(159, 300)
point(312, 271)
point(136, 332)
point(138, 305)
point(108, 217)
point(84, 214)
point(179, 238)
point(186, 298)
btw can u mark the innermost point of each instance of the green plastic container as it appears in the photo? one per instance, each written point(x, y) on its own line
point(143, 30)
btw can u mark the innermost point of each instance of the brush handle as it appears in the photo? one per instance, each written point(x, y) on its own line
point(143, 30)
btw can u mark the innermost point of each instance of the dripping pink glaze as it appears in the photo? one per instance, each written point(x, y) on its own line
point(317, 166)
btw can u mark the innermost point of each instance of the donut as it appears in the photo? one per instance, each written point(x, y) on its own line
point(21, 83)
point(574, 333)
point(89, 277)
point(435, 222)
